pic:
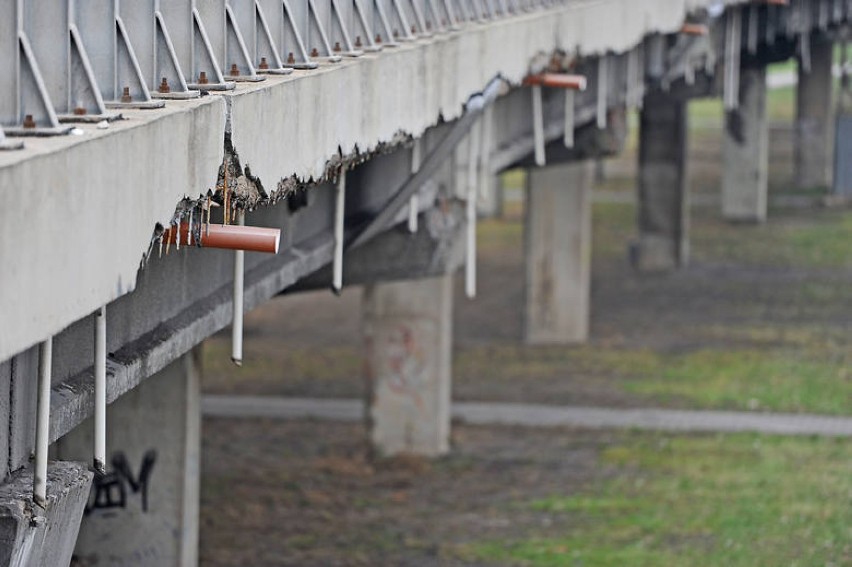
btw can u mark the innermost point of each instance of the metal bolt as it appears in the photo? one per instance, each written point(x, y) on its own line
point(125, 95)
point(202, 78)
point(235, 71)
point(263, 64)
point(79, 111)
point(396, 33)
point(290, 58)
point(413, 29)
point(164, 86)
point(336, 47)
point(428, 24)
point(29, 122)
point(358, 41)
point(378, 38)
point(314, 52)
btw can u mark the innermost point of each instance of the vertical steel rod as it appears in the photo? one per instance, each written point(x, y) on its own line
point(472, 186)
point(100, 391)
point(42, 440)
point(339, 213)
point(569, 118)
point(538, 125)
point(412, 203)
point(239, 275)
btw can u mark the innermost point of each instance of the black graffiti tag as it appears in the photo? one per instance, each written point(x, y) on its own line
point(110, 490)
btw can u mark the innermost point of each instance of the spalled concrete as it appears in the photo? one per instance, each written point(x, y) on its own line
point(663, 219)
point(745, 151)
point(408, 349)
point(35, 537)
point(99, 195)
point(815, 116)
point(558, 238)
point(144, 511)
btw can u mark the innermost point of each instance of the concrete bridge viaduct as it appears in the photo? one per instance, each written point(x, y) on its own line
point(370, 133)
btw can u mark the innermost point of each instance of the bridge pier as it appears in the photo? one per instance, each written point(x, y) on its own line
point(408, 354)
point(144, 511)
point(663, 215)
point(745, 151)
point(558, 234)
point(814, 116)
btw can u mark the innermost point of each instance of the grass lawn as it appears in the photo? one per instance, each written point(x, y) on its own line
point(727, 500)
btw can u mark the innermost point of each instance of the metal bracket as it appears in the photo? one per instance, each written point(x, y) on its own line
point(316, 31)
point(203, 58)
point(297, 56)
point(266, 56)
point(241, 62)
point(7, 144)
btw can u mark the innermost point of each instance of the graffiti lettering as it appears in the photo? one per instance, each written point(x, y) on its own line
point(110, 490)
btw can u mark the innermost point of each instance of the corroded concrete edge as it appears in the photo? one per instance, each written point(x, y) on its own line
point(79, 211)
point(33, 537)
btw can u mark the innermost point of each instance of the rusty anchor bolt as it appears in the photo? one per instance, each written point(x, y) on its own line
point(413, 29)
point(79, 111)
point(336, 47)
point(378, 38)
point(428, 24)
point(444, 22)
point(314, 52)
point(263, 64)
point(235, 71)
point(358, 41)
point(202, 78)
point(125, 95)
point(29, 122)
point(290, 58)
point(164, 86)
point(396, 33)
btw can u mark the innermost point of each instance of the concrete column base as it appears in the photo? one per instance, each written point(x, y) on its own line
point(558, 253)
point(144, 510)
point(408, 344)
point(47, 540)
point(663, 215)
point(814, 117)
point(745, 152)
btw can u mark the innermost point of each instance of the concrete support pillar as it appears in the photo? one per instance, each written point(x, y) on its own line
point(663, 215)
point(558, 253)
point(408, 340)
point(144, 511)
point(745, 151)
point(814, 116)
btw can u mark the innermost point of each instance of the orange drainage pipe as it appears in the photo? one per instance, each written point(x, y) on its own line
point(557, 80)
point(694, 29)
point(230, 237)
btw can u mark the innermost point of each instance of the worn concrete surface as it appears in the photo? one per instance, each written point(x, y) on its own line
point(558, 248)
point(663, 220)
point(408, 349)
point(49, 540)
point(815, 116)
point(746, 152)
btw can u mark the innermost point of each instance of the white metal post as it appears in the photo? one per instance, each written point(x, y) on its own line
point(237, 325)
point(416, 157)
point(100, 391)
point(42, 440)
point(538, 125)
point(339, 212)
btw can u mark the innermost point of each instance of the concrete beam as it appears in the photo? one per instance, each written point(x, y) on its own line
point(815, 116)
point(663, 216)
point(408, 350)
point(745, 151)
point(558, 231)
point(32, 537)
